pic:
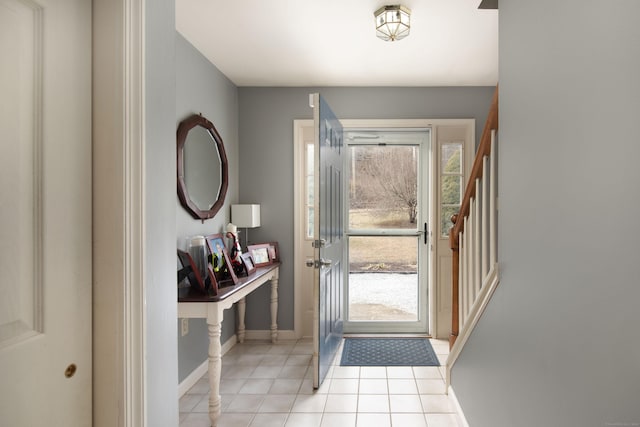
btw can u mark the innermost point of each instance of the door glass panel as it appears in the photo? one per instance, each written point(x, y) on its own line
point(310, 182)
point(383, 187)
point(383, 278)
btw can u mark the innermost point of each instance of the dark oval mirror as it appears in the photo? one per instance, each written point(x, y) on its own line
point(202, 167)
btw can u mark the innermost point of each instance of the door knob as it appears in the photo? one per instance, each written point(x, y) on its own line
point(309, 262)
point(325, 263)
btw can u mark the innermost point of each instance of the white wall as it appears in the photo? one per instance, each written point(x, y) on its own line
point(559, 344)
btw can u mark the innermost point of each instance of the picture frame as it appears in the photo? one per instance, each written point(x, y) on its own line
point(274, 251)
point(260, 254)
point(222, 272)
point(249, 266)
point(190, 272)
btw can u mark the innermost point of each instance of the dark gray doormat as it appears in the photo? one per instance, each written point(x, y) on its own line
point(388, 352)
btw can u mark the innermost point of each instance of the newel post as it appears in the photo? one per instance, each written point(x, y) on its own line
point(455, 316)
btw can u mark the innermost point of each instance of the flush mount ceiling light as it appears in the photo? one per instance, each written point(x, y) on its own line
point(392, 22)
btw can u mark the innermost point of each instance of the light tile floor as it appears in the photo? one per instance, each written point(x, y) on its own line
point(267, 385)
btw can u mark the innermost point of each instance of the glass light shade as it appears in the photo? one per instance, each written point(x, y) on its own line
point(392, 22)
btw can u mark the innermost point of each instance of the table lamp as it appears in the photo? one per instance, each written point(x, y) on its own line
point(245, 216)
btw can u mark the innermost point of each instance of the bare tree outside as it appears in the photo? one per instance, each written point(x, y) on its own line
point(376, 183)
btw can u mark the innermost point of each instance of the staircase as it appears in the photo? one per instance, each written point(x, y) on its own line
point(473, 240)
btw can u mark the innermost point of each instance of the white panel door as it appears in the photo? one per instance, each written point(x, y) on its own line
point(45, 213)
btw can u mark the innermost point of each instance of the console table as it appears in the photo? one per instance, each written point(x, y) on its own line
point(211, 308)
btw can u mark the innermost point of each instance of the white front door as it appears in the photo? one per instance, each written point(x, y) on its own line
point(45, 213)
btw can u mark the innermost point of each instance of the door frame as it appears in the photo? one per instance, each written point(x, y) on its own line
point(119, 280)
point(437, 312)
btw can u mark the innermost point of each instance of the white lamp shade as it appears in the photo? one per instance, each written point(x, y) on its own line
point(245, 216)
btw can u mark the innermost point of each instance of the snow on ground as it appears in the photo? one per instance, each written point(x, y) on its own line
point(390, 289)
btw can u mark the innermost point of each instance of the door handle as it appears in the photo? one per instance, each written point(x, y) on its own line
point(309, 262)
point(325, 262)
point(426, 233)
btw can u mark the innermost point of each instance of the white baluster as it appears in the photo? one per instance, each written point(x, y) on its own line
point(493, 235)
point(484, 251)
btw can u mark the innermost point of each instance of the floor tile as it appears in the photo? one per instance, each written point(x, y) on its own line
point(338, 420)
point(285, 386)
point(309, 403)
point(277, 403)
point(346, 372)
point(373, 386)
point(399, 372)
point(258, 386)
point(273, 360)
point(196, 420)
point(373, 420)
point(442, 420)
point(436, 403)
point(203, 405)
point(373, 372)
point(269, 420)
point(237, 371)
point(344, 386)
point(245, 403)
point(304, 420)
point(230, 385)
point(298, 359)
point(432, 372)
point(234, 420)
point(200, 387)
point(341, 403)
point(402, 386)
point(431, 386)
point(373, 403)
point(292, 372)
point(408, 420)
point(409, 403)
point(189, 401)
point(266, 372)
point(250, 359)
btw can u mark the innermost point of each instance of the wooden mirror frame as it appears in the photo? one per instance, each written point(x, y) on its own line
point(183, 131)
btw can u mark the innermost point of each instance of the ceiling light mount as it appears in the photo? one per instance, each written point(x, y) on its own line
point(392, 22)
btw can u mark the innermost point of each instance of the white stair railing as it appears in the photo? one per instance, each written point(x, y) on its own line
point(473, 240)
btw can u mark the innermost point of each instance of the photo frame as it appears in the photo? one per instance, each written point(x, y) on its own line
point(249, 266)
point(260, 254)
point(190, 272)
point(274, 251)
point(220, 261)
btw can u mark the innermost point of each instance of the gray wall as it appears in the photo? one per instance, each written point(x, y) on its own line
point(159, 221)
point(202, 88)
point(559, 344)
point(266, 150)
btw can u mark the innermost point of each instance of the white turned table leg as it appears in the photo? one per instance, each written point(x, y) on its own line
point(242, 309)
point(214, 323)
point(274, 307)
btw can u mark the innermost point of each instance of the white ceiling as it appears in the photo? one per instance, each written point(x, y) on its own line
point(333, 42)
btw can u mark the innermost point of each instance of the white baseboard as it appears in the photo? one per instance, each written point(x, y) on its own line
point(459, 413)
point(192, 378)
point(266, 335)
point(197, 373)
